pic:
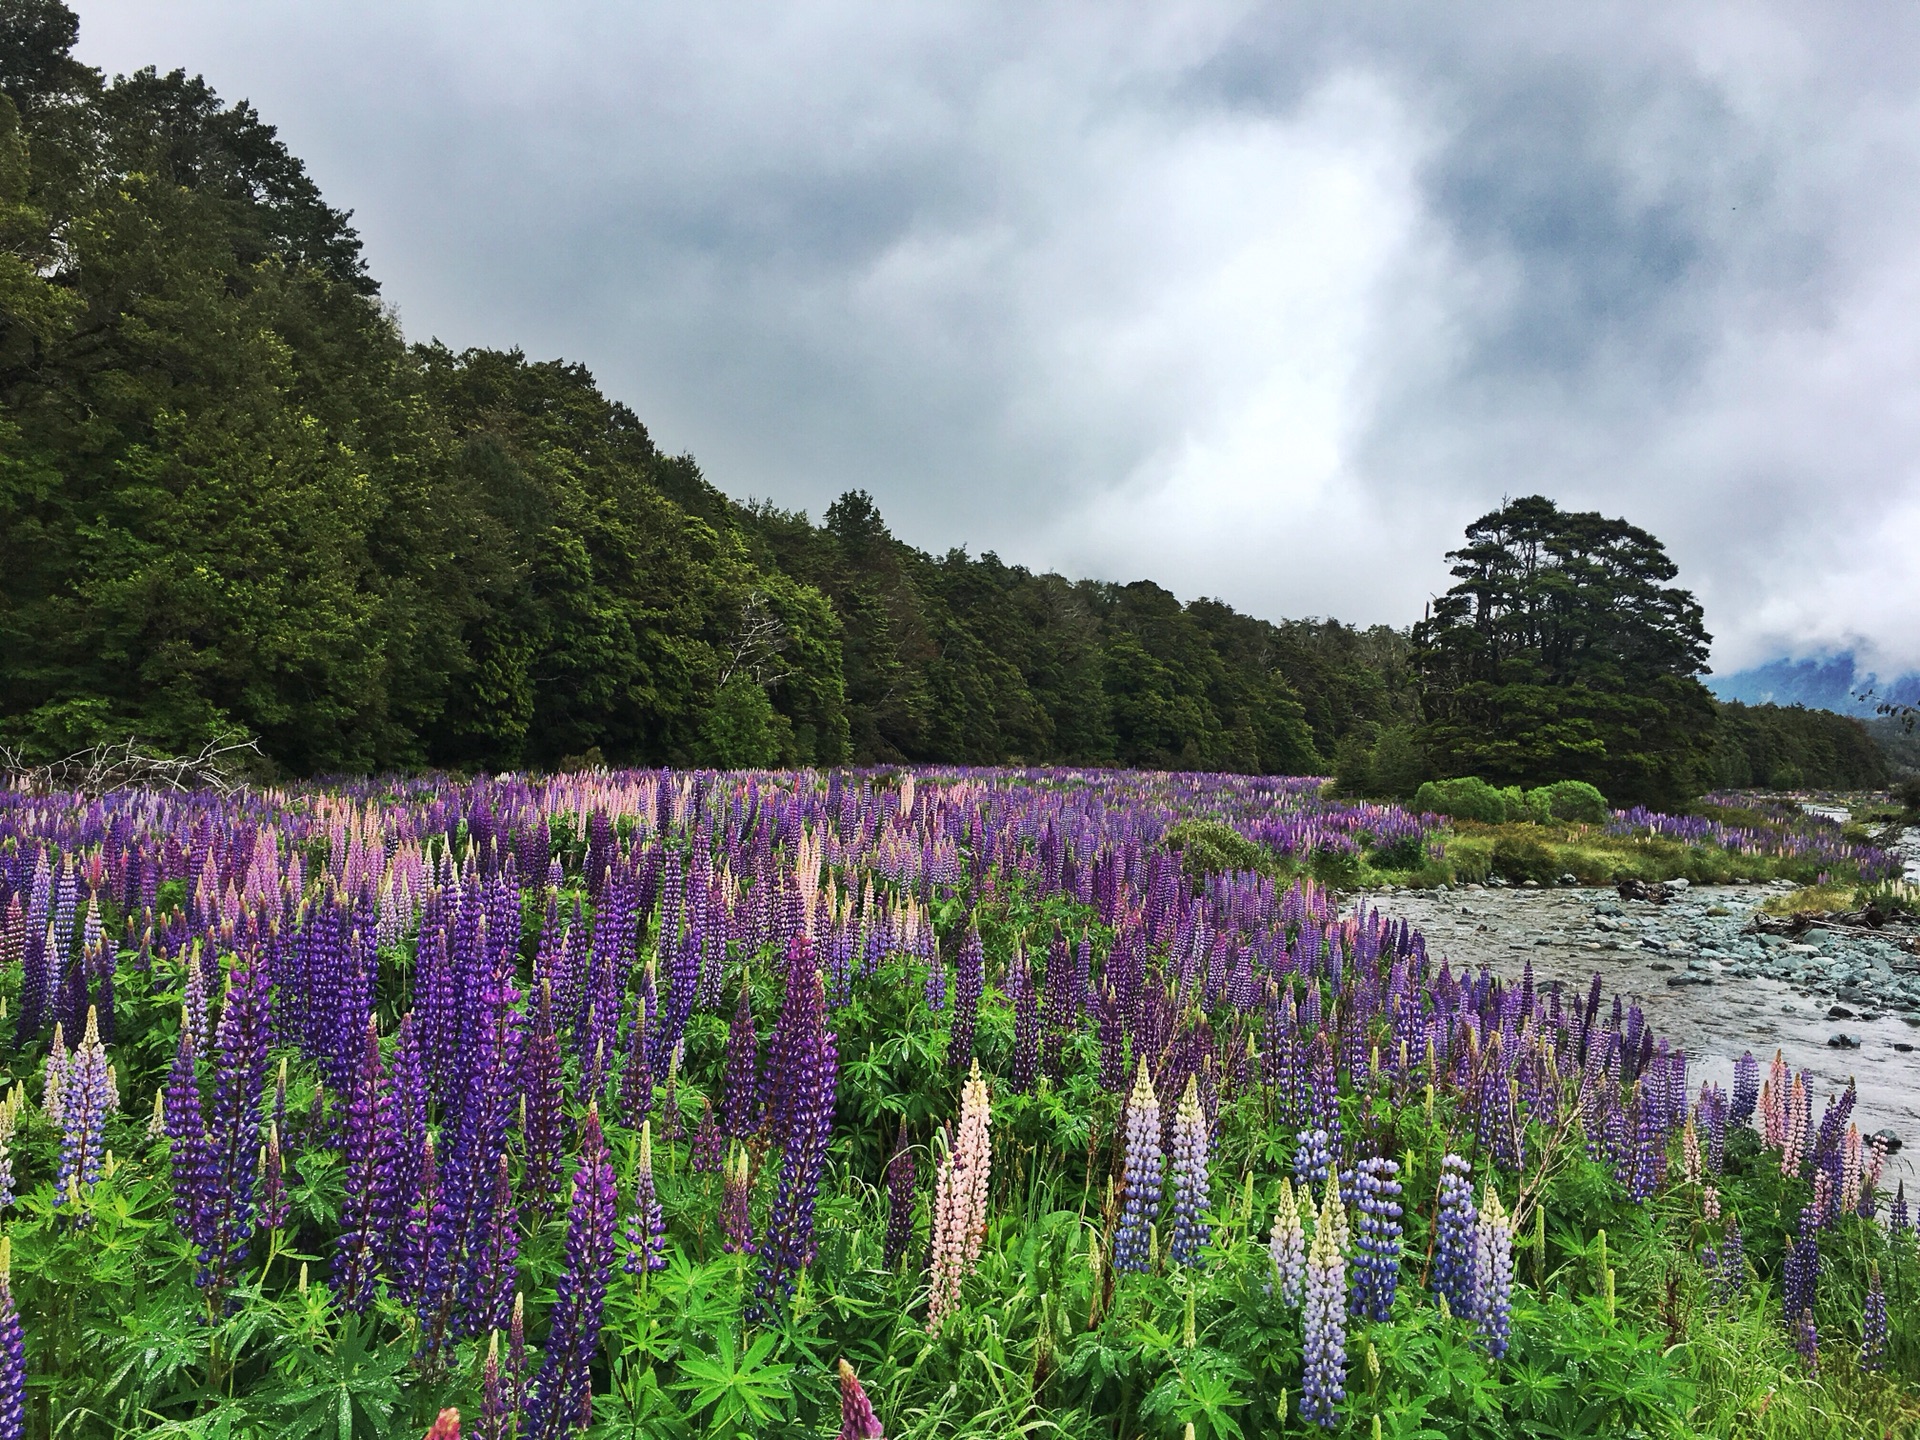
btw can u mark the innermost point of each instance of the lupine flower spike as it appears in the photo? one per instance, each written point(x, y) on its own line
point(960, 1201)
point(1143, 1166)
point(1287, 1244)
point(1323, 1385)
point(857, 1420)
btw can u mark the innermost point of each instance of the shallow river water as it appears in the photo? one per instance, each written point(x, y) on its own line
point(1713, 1022)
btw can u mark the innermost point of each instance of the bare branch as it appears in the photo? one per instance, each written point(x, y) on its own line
point(220, 766)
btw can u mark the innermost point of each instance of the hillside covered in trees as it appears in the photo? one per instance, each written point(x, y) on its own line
point(233, 498)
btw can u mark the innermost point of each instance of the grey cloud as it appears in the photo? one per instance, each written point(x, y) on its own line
point(1261, 301)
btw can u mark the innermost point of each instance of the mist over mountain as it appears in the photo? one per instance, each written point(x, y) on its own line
point(1828, 682)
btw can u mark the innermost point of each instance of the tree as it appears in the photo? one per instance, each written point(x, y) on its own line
point(1564, 653)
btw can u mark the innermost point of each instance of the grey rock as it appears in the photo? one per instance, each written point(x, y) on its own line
point(1840, 1041)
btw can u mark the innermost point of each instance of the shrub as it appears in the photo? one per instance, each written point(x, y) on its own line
point(1206, 847)
point(1569, 801)
point(1517, 858)
point(1464, 798)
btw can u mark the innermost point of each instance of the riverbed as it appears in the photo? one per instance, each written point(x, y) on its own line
point(1708, 988)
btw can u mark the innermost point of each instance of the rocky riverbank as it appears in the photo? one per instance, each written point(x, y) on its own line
point(1843, 1007)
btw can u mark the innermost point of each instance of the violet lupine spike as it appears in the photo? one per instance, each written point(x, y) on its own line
point(1456, 1239)
point(1746, 1088)
point(1323, 1382)
point(1144, 1162)
point(357, 1249)
point(646, 1232)
point(274, 1207)
point(1377, 1265)
point(496, 1254)
point(1192, 1189)
point(404, 1139)
point(803, 1126)
point(187, 1135)
point(13, 1356)
point(1873, 1324)
point(900, 1187)
point(1026, 1028)
point(1287, 1245)
point(969, 982)
point(233, 1131)
point(1493, 1273)
point(88, 1095)
point(857, 1420)
point(562, 1400)
point(1312, 1158)
point(736, 1205)
point(741, 1107)
point(543, 1119)
point(709, 1149)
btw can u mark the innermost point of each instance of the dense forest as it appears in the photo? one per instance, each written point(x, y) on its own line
point(235, 501)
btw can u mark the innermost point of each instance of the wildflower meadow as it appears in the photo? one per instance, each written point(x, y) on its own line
point(905, 1103)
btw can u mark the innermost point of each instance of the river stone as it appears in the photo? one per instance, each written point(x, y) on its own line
point(1839, 1041)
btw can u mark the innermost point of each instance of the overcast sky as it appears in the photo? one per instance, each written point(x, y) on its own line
point(1262, 302)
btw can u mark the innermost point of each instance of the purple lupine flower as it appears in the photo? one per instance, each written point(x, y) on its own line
point(562, 1402)
point(542, 1118)
point(1312, 1158)
point(1873, 1324)
point(495, 1251)
point(1111, 1029)
point(900, 1186)
point(87, 1096)
point(1144, 1163)
point(637, 1073)
point(1746, 1088)
point(233, 1133)
point(740, 1110)
point(403, 1142)
point(1323, 1383)
point(1192, 1191)
point(802, 1115)
point(1493, 1273)
point(1026, 1027)
point(423, 1272)
point(1456, 1239)
point(273, 1182)
point(646, 1226)
point(187, 1135)
point(969, 981)
point(1806, 1340)
point(857, 1420)
point(1377, 1266)
point(1899, 1220)
point(356, 1251)
point(736, 1205)
point(494, 1414)
point(935, 989)
point(1726, 1265)
point(709, 1145)
point(13, 1358)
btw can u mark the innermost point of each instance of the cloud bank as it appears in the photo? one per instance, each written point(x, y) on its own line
point(1260, 302)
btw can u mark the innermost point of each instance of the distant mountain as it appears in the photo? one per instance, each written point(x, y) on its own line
point(1831, 682)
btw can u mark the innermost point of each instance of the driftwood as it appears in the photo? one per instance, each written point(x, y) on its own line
point(1872, 923)
point(220, 766)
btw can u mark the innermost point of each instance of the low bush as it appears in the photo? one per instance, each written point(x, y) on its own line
point(1466, 797)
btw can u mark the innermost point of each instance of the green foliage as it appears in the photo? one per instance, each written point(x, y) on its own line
point(1789, 745)
point(1464, 798)
point(1569, 800)
point(1564, 653)
point(1207, 847)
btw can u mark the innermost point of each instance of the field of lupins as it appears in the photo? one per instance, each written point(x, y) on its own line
point(935, 1103)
